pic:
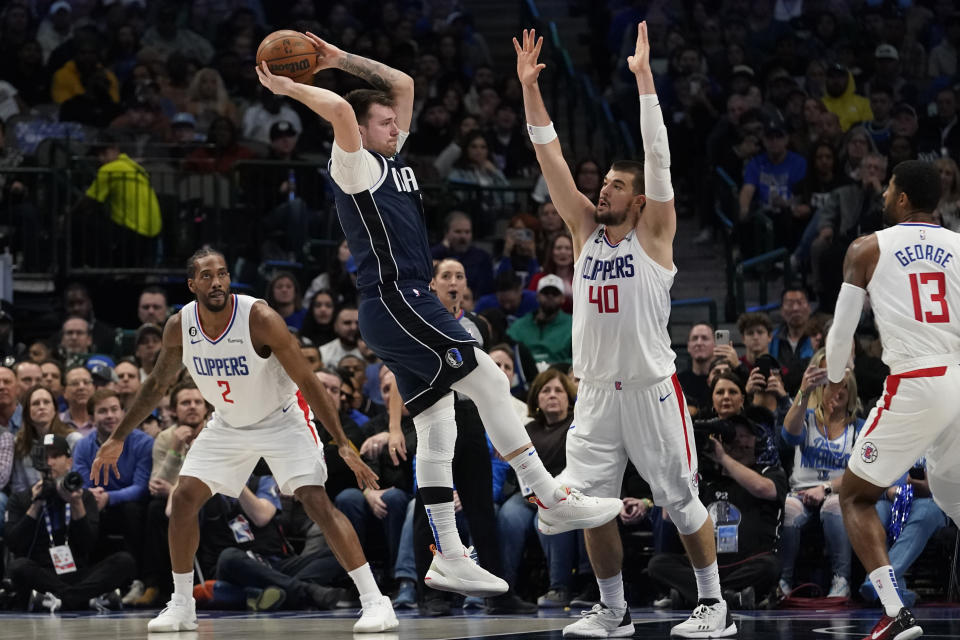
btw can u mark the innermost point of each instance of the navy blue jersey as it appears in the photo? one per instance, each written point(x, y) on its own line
point(386, 229)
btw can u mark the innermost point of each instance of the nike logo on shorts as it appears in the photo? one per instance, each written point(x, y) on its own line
point(288, 406)
point(666, 396)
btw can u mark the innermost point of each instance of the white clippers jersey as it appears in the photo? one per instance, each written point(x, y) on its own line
point(243, 387)
point(915, 296)
point(620, 312)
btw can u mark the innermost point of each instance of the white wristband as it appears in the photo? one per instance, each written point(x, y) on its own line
point(542, 135)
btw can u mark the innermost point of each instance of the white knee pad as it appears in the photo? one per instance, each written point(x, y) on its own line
point(490, 391)
point(436, 438)
point(689, 515)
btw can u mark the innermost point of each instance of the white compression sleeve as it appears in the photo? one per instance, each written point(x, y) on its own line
point(656, 150)
point(846, 317)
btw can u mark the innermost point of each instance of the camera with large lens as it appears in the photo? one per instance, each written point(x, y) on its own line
point(70, 482)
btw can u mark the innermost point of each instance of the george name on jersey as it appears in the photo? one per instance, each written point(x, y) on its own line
point(619, 267)
point(926, 252)
point(220, 367)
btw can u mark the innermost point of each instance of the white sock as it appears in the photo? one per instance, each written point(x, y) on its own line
point(183, 584)
point(443, 524)
point(366, 585)
point(611, 591)
point(885, 582)
point(532, 473)
point(708, 582)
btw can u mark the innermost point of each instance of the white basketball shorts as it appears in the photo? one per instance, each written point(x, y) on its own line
point(649, 425)
point(223, 457)
point(917, 415)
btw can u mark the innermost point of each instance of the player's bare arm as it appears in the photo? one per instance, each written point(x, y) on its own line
point(326, 104)
point(659, 217)
point(268, 331)
point(157, 385)
point(858, 266)
point(383, 78)
point(861, 260)
point(574, 207)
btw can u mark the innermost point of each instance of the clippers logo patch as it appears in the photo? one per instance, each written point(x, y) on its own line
point(453, 358)
point(869, 452)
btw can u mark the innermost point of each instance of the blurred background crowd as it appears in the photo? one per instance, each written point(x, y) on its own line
point(134, 131)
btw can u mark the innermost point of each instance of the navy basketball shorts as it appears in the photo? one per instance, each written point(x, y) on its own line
point(419, 340)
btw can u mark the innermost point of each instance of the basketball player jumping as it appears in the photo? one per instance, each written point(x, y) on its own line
point(248, 366)
point(630, 404)
point(381, 212)
point(912, 274)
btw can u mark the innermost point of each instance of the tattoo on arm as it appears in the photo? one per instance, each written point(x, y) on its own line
point(375, 73)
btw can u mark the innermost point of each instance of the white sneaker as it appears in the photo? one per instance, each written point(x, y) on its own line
point(43, 600)
point(577, 511)
point(707, 621)
point(135, 593)
point(601, 622)
point(180, 614)
point(462, 575)
point(377, 616)
point(839, 588)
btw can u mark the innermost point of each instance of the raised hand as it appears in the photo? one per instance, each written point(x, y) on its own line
point(280, 85)
point(328, 56)
point(528, 69)
point(639, 62)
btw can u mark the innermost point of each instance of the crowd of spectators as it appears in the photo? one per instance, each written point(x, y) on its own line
point(789, 115)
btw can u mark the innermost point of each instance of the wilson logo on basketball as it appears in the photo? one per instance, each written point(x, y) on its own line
point(289, 67)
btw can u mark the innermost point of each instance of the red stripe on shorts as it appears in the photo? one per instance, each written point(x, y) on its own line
point(683, 414)
point(893, 383)
point(306, 416)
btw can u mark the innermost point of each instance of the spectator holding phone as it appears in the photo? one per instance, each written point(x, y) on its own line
point(520, 249)
point(821, 425)
point(765, 387)
point(790, 344)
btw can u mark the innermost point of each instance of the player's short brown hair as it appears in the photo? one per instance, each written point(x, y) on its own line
point(634, 167)
point(361, 99)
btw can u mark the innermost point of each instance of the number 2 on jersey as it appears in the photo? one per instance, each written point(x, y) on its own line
point(938, 278)
point(607, 298)
point(226, 390)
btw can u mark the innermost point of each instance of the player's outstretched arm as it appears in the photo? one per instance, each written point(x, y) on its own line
point(858, 267)
point(383, 78)
point(659, 216)
point(328, 105)
point(574, 207)
point(267, 328)
point(157, 385)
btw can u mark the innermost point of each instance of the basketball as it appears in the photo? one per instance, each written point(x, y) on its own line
point(288, 53)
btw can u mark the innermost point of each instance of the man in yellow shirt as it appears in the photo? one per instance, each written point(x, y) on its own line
point(124, 186)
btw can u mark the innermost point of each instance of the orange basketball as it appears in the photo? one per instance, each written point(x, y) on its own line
point(289, 53)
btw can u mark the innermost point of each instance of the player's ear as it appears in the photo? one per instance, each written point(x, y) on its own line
point(640, 201)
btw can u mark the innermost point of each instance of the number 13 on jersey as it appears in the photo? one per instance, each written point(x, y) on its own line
point(923, 310)
point(606, 297)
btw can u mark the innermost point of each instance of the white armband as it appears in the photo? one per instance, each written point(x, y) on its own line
point(542, 135)
point(656, 150)
point(846, 317)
